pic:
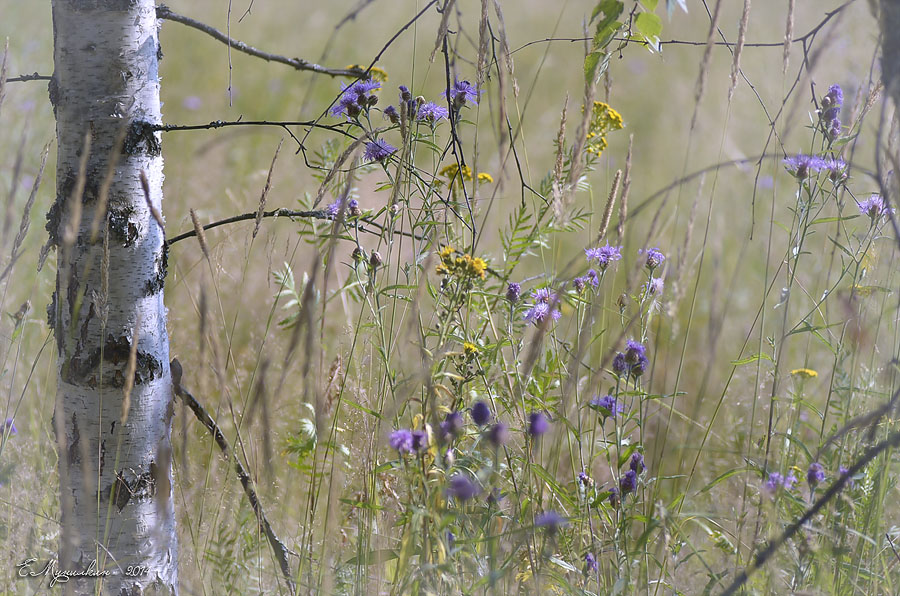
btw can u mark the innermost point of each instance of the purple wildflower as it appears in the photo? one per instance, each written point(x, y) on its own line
point(419, 440)
point(614, 496)
point(550, 520)
point(463, 91)
point(592, 278)
point(405, 94)
point(402, 440)
point(634, 351)
point(845, 473)
point(607, 406)
point(378, 150)
point(637, 463)
point(462, 488)
point(481, 414)
point(801, 166)
point(875, 207)
point(513, 292)
point(831, 104)
point(775, 480)
point(391, 114)
point(628, 482)
point(498, 434)
point(815, 474)
point(655, 258)
point(590, 562)
point(356, 97)
point(584, 479)
point(789, 481)
point(543, 298)
point(620, 367)
point(837, 169)
point(432, 112)
point(537, 424)
point(604, 255)
point(10, 427)
point(579, 283)
point(353, 207)
point(452, 425)
point(333, 208)
point(346, 105)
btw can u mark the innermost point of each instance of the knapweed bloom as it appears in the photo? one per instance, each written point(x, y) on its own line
point(815, 474)
point(356, 97)
point(537, 424)
point(801, 166)
point(776, 481)
point(585, 480)
point(634, 351)
point(513, 292)
point(607, 405)
point(10, 427)
point(637, 463)
point(431, 112)
point(543, 301)
point(655, 286)
point(837, 169)
point(655, 258)
point(332, 209)
point(462, 92)
point(498, 435)
point(550, 520)
point(604, 255)
point(628, 482)
point(620, 367)
point(419, 440)
point(614, 496)
point(875, 207)
point(462, 488)
point(378, 150)
point(402, 441)
point(481, 413)
point(452, 425)
point(831, 110)
point(391, 114)
point(590, 562)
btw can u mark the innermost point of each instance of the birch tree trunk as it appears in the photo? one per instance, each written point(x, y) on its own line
point(108, 313)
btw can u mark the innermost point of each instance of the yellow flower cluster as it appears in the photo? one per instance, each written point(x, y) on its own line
point(805, 373)
point(453, 170)
point(470, 349)
point(464, 266)
point(376, 74)
point(604, 120)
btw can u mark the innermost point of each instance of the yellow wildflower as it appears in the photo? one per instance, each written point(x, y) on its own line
point(484, 177)
point(375, 73)
point(452, 171)
point(805, 373)
point(604, 120)
point(470, 349)
point(446, 252)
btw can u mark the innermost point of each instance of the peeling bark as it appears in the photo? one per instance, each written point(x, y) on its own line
point(117, 507)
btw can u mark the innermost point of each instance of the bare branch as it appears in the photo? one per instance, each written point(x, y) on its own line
point(163, 12)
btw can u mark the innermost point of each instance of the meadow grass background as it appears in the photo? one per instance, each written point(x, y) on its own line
point(223, 315)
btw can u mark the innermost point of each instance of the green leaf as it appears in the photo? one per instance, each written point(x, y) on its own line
point(650, 4)
point(754, 358)
point(721, 477)
point(649, 26)
point(590, 65)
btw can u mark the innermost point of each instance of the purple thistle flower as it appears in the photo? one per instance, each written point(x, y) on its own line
point(775, 480)
point(628, 482)
point(837, 169)
point(405, 94)
point(333, 208)
point(391, 114)
point(513, 292)
point(801, 166)
point(640, 367)
point(537, 424)
point(462, 488)
point(845, 473)
point(480, 412)
point(432, 112)
point(543, 295)
point(655, 258)
point(463, 91)
point(579, 283)
point(498, 435)
point(607, 406)
point(550, 520)
point(815, 474)
point(789, 481)
point(378, 150)
point(584, 479)
point(831, 104)
point(402, 440)
point(620, 367)
point(10, 427)
point(419, 440)
point(875, 207)
point(614, 496)
point(590, 562)
point(592, 278)
point(637, 463)
point(604, 255)
point(346, 105)
point(452, 425)
point(634, 351)
point(834, 128)
point(543, 298)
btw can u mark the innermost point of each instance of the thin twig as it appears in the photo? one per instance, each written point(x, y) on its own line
point(280, 550)
point(163, 12)
point(314, 214)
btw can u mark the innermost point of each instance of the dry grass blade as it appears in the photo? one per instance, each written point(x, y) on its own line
point(157, 216)
point(610, 203)
point(201, 235)
point(788, 36)
point(26, 216)
point(704, 63)
point(442, 28)
point(739, 49)
point(626, 187)
point(265, 192)
point(74, 200)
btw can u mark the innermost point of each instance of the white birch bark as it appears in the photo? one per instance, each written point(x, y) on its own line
point(115, 478)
